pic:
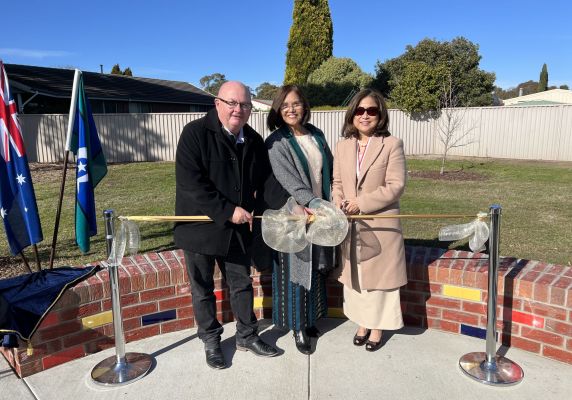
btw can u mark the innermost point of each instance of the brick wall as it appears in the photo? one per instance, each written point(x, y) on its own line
point(447, 290)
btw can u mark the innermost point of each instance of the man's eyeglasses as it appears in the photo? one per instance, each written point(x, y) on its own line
point(371, 111)
point(232, 104)
point(287, 106)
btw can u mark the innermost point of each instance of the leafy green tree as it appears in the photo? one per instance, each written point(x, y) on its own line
point(266, 90)
point(127, 72)
point(341, 70)
point(565, 87)
point(212, 83)
point(527, 87)
point(460, 57)
point(419, 88)
point(311, 40)
point(543, 81)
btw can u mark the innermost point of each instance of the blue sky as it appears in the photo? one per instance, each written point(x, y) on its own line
point(246, 40)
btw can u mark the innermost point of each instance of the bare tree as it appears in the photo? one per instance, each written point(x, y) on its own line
point(452, 127)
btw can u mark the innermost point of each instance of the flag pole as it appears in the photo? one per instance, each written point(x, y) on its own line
point(71, 120)
point(37, 257)
point(25, 262)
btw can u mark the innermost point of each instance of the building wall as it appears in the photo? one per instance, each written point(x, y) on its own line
point(447, 290)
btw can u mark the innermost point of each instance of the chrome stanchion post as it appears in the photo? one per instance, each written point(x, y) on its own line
point(488, 367)
point(122, 368)
point(108, 218)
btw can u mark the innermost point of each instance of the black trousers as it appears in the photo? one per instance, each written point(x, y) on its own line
point(235, 268)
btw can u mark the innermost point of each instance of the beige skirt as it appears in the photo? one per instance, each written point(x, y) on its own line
point(373, 309)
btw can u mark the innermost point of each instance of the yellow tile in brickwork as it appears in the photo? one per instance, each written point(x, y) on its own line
point(334, 312)
point(93, 321)
point(261, 302)
point(459, 292)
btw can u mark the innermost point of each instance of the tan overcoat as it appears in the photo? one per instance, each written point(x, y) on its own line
point(378, 243)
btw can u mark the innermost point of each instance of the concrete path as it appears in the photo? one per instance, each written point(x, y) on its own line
point(413, 364)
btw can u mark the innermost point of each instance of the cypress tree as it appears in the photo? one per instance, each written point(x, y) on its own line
point(543, 81)
point(310, 42)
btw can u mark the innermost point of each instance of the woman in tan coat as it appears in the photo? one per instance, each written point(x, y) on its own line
point(369, 178)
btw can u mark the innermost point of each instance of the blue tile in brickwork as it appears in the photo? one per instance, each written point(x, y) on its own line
point(158, 317)
point(472, 331)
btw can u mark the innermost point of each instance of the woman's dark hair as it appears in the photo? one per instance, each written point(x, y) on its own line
point(275, 119)
point(349, 130)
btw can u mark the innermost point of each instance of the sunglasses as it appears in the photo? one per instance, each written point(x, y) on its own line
point(371, 111)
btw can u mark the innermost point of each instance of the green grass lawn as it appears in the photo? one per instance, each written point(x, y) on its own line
point(535, 196)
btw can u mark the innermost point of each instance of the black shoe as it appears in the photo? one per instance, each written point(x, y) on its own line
point(361, 340)
point(259, 348)
point(313, 332)
point(215, 359)
point(373, 346)
point(302, 342)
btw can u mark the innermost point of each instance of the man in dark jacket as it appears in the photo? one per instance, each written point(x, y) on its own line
point(222, 171)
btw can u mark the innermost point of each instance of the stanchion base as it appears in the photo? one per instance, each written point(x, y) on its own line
point(503, 373)
point(111, 373)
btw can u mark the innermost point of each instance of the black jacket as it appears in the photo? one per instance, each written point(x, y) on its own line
point(210, 182)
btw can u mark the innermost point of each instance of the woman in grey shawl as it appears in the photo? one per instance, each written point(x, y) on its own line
point(302, 162)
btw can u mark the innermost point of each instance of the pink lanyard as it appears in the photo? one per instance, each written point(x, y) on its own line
point(360, 159)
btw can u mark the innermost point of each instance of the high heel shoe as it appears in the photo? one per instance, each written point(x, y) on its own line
point(361, 340)
point(374, 346)
point(302, 342)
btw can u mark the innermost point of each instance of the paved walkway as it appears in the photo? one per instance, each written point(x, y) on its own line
point(413, 364)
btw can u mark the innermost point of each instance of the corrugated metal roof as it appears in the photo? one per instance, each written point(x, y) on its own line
point(57, 82)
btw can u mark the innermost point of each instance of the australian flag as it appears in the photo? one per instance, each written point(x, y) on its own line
point(18, 207)
point(91, 167)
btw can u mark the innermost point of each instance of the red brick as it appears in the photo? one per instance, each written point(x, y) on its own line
point(183, 289)
point(477, 308)
point(177, 271)
point(68, 299)
point(444, 325)
point(29, 368)
point(57, 331)
point(50, 320)
point(524, 289)
point(540, 292)
point(131, 323)
point(432, 272)
point(524, 344)
point(559, 327)
point(456, 277)
point(569, 344)
point(185, 312)
point(83, 311)
point(137, 278)
point(530, 276)
point(177, 325)
point(175, 302)
point(63, 357)
point(557, 354)
point(150, 275)
point(482, 280)
point(544, 310)
point(100, 344)
point(469, 279)
point(563, 283)
point(419, 309)
point(152, 256)
point(542, 336)
point(435, 288)
point(167, 255)
point(142, 333)
point(523, 318)
point(461, 317)
point(138, 310)
point(163, 273)
point(444, 302)
point(221, 295)
point(81, 337)
point(443, 275)
point(156, 294)
point(557, 296)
